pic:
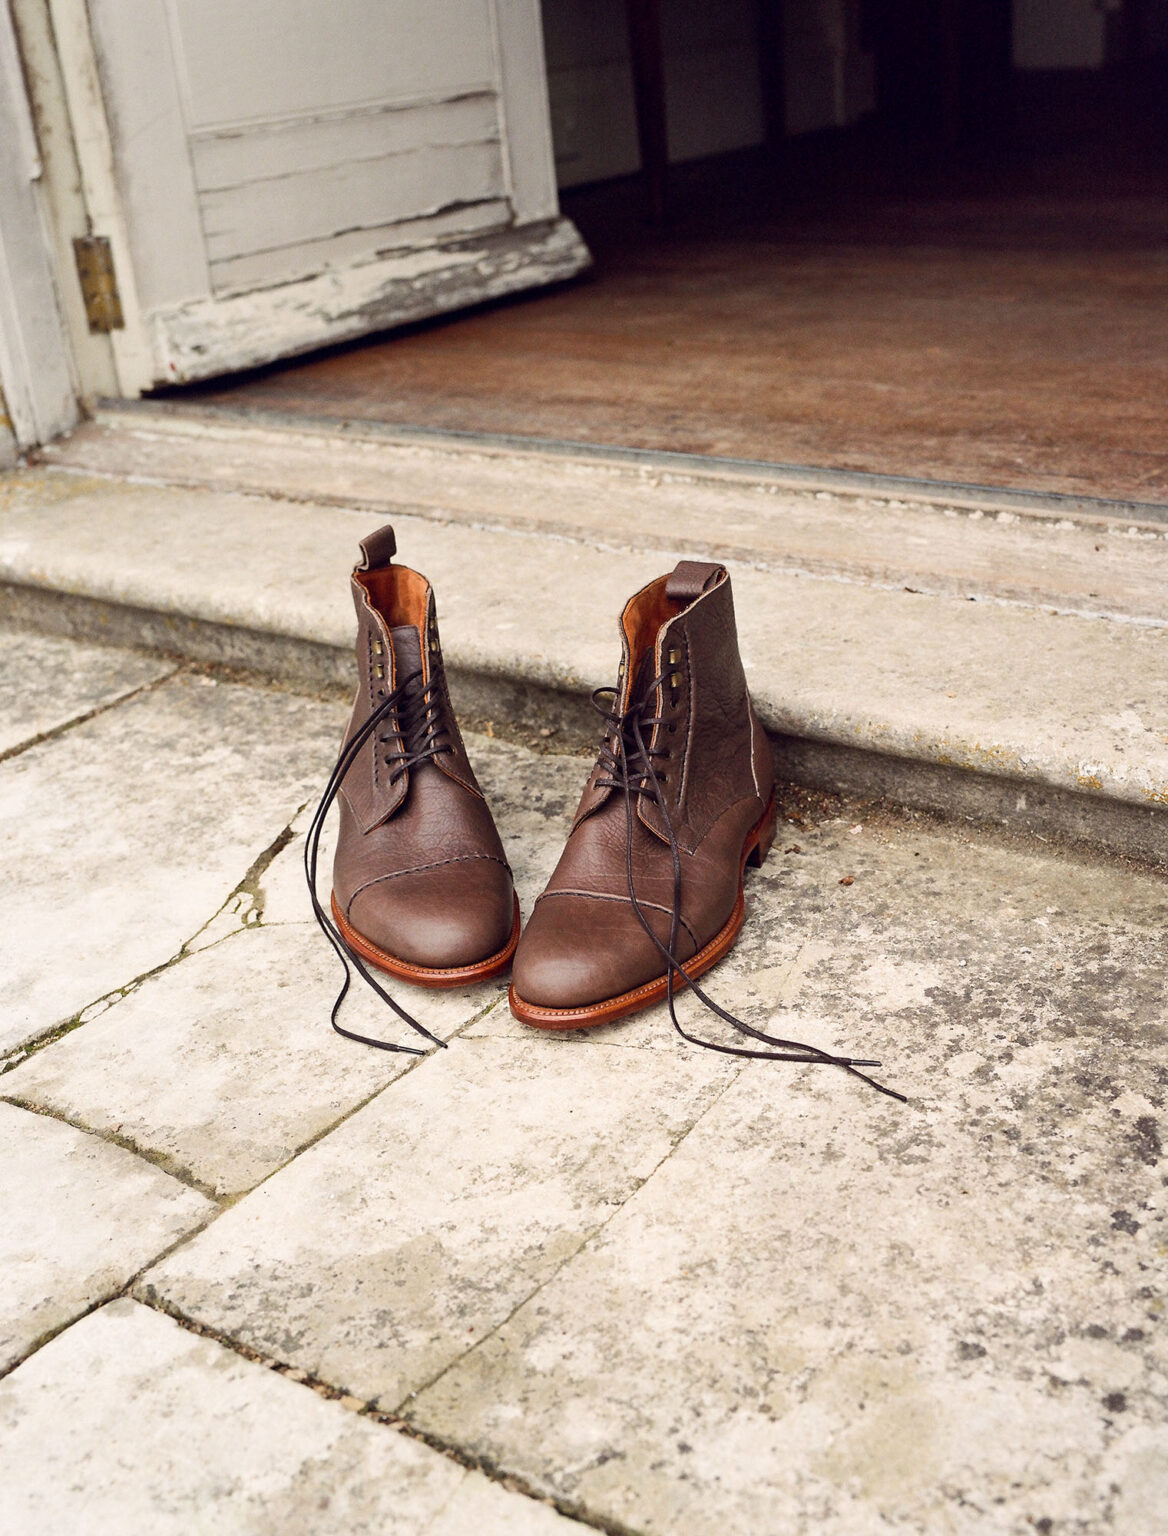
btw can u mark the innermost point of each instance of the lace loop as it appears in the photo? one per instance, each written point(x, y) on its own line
point(419, 726)
point(626, 763)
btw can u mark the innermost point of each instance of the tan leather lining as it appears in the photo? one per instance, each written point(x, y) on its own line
point(398, 594)
point(644, 615)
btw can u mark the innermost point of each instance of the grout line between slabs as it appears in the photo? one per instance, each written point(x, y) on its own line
point(125, 1289)
point(159, 1160)
point(91, 714)
point(733, 1074)
point(510, 1481)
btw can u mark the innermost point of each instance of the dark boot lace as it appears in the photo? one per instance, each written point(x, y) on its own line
point(627, 763)
point(412, 713)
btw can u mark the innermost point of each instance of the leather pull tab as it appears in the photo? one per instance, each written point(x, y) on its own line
point(690, 578)
point(378, 549)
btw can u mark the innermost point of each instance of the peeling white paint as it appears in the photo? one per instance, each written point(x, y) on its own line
point(216, 335)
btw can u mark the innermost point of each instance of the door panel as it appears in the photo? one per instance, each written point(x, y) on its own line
point(303, 171)
point(249, 62)
point(272, 212)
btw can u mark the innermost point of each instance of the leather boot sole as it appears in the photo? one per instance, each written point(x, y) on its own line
point(754, 851)
point(425, 976)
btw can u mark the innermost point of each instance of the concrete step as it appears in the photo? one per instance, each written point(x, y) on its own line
point(1010, 665)
point(1077, 554)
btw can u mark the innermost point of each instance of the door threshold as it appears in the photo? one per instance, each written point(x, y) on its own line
point(801, 477)
point(1093, 559)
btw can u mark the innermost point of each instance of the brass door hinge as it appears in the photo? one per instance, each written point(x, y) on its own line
point(99, 286)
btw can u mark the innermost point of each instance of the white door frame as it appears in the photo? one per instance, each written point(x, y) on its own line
point(36, 368)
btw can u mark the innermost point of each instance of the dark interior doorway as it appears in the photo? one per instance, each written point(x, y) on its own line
point(943, 71)
point(968, 282)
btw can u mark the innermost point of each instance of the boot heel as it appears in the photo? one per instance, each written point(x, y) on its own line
point(765, 836)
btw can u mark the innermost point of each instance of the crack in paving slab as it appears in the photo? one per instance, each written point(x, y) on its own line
point(131, 876)
point(568, 1258)
point(248, 886)
point(367, 1410)
point(104, 708)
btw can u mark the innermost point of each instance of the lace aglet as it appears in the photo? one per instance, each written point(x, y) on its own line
point(854, 1061)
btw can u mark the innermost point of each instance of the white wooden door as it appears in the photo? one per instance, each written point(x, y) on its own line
point(276, 175)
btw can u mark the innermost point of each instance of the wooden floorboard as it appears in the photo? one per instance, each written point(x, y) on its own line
point(1012, 331)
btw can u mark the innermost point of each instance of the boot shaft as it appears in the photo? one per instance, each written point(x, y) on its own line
point(708, 744)
point(397, 636)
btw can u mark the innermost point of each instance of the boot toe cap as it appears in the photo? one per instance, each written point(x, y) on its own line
point(578, 951)
point(454, 915)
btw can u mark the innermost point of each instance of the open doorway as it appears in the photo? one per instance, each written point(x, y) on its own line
point(911, 237)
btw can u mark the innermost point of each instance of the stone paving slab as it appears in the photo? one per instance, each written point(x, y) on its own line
point(128, 1423)
point(223, 1066)
point(826, 1313)
point(417, 1226)
point(809, 1326)
point(46, 682)
point(823, 1311)
point(123, 836)
point(80, 1217)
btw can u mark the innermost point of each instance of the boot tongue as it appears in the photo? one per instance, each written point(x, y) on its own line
point(407, 651)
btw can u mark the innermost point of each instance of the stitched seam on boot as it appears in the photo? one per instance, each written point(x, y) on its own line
point(754, 726)
point(418, 869)
point(605, 896)
point(369, 637)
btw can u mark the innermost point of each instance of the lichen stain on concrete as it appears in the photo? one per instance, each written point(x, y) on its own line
point(886, 1419)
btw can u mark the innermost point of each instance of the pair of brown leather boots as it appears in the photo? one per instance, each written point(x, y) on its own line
point(647, 894)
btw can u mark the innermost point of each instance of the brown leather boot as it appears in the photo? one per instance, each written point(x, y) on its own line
point(684, 741)
point(421, 885)
point(647, 894)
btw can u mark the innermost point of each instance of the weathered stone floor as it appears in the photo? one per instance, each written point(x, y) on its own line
point(259, 1279)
